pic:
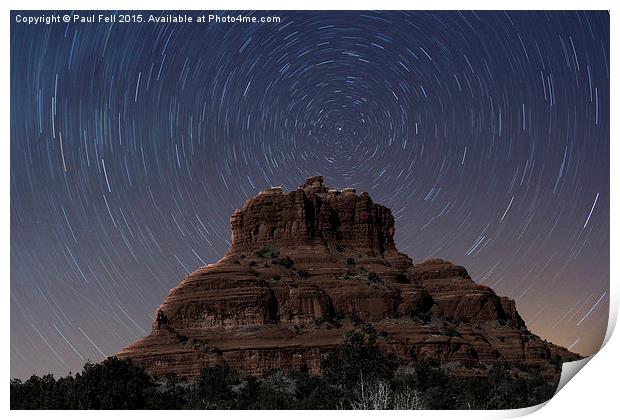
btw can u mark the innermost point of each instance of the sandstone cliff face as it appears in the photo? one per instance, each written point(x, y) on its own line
point(308, 265)
point(314, 216)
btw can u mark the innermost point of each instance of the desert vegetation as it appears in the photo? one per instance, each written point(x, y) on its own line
point(356, 376)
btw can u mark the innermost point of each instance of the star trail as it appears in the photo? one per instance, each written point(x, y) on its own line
point(486, 133)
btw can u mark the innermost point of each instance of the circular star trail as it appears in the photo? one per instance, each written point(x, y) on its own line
point(486, 133)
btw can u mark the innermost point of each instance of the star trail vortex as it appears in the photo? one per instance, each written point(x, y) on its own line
point(486, 133)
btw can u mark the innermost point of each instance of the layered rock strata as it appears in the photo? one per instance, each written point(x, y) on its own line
point(309, 265)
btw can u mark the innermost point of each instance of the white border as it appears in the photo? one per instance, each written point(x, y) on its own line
point(592, 395)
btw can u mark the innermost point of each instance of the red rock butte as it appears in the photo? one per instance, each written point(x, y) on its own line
point(309, 265)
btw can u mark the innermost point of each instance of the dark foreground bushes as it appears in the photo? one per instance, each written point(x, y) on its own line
point(358, 376)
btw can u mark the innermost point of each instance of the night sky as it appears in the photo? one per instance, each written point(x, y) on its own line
point(486, 133)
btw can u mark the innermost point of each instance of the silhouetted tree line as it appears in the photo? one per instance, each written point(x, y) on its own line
point(356, 376)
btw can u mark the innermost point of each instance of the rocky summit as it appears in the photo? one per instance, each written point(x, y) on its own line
point(307, 266)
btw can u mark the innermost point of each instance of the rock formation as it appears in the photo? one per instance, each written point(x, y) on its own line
point(306, 266)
